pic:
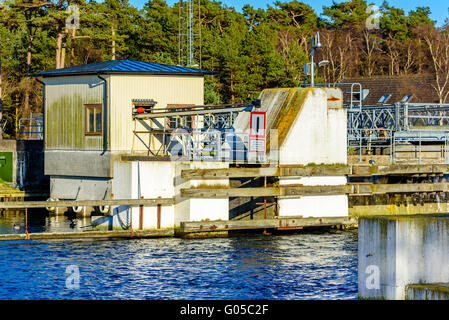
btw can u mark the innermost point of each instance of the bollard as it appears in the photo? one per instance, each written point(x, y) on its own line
point(158, 213)
point(141, 215)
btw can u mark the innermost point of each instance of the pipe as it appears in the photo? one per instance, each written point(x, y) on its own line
point(105, 109)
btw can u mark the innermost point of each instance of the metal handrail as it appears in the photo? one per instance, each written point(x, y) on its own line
point(39, 133)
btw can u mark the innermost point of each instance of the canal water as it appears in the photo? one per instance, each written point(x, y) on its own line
point(307, 265)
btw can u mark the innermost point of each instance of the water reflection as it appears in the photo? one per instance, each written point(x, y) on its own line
point(13, 221)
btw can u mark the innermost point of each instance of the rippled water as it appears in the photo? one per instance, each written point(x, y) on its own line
point(296, 266)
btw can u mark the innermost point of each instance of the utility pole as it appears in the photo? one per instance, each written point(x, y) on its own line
point(316, 44)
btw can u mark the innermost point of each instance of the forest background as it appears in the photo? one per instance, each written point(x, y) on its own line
point(249, 50)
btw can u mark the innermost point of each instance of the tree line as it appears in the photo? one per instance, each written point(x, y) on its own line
point(250, 50)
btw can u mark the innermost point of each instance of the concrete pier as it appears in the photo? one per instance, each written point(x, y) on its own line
point(399, 251)
point(162, 179)
point(311, 129)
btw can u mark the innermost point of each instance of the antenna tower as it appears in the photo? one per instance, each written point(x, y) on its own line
point(189, 33)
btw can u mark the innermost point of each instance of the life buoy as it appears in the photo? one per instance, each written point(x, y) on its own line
point(51, 209)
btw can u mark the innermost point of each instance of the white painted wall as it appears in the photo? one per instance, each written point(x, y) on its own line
point(162, 179)
point(314, 206)
point(318, 135)
point(202, 209)
point(405, 250)
point(337, 135)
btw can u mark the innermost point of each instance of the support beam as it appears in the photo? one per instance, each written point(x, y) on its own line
point(300, 190)
point(127, 234)
point(281, 223)
point(73, 203)
point(319, 170)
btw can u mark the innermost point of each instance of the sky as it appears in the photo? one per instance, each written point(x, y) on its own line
point(439, 8)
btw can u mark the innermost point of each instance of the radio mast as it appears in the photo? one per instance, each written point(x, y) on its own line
point(189, 33)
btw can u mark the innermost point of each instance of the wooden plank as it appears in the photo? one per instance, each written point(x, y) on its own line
point(300, 190)
point(284, 190)
point(318, 170)
point(229, 173)
point(299, 171)
point(399, 188)
point(73, 203)
point(400, 169)
point(91, 234)
point(283, 223)
point(144, 158)
point(229, 192)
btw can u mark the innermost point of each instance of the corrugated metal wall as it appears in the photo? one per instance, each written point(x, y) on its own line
point(65, 114)
point(163, 89)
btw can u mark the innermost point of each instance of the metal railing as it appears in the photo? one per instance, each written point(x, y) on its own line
point(420, 142)
point(369, 140)
point(398, 118)
point(213, 145)
point(31, 129)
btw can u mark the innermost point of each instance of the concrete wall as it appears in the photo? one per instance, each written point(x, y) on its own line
point(28, 164)
point(203, 209)
point(434, 291)
point(161, 179)
point(317, 135)
point(397, 251)
point(314, 206)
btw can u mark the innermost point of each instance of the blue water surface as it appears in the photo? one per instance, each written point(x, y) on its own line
point(319, 265)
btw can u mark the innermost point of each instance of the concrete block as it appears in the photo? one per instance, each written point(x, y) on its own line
point(398, 251)
point(314, 206)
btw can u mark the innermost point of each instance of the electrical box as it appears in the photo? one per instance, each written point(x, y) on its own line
point(6, 166)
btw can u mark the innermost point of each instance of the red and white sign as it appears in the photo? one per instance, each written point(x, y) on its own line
point(257, 124)
point(257, 130)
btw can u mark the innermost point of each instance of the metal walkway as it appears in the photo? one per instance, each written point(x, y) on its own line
point(401, 124)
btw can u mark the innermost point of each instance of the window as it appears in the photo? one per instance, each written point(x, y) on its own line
point(407, 98)
point(384, 98)
point(94, 119)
